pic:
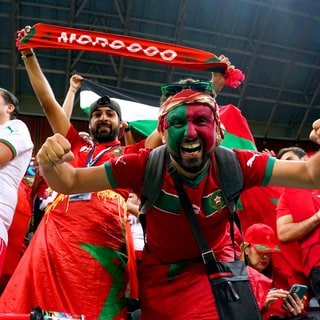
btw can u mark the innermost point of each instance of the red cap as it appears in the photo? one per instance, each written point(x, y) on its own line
point(262, 238)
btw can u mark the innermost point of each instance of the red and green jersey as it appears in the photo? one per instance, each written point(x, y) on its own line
point(173, 284)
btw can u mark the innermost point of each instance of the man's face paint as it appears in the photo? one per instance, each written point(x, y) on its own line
point(191, 135)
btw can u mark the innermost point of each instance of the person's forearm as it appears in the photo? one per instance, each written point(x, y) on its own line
point(66, 179)
point(60, 177)
point(75, 84)
point(38, 80)
point(69, 102)
point(57, 118)
point(294, 231)
point(313, 167)
point(218, 82)
point(127, 134)
point(153, 140)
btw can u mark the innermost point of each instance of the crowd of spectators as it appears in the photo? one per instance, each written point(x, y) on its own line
point(56, 241)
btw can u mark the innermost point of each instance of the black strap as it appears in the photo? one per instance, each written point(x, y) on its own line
point(230, 175)
point(153, 178)
point(207, 254)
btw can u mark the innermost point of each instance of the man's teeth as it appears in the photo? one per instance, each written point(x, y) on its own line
point(190, 147)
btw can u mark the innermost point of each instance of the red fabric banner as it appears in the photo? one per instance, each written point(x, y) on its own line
point(51, 36)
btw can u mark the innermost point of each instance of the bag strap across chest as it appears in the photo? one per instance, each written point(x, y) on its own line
point(228, 168)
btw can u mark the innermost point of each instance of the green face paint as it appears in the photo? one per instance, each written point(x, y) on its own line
point(177, 128)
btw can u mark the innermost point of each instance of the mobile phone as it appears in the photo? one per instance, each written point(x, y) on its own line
point(299, 289)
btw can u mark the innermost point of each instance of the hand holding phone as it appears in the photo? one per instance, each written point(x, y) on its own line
point(299, 290)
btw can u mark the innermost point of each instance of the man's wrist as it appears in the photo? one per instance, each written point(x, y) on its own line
point(127, 129)
point(27, 55)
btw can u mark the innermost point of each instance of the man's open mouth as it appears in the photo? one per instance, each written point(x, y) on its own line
point(191, 148)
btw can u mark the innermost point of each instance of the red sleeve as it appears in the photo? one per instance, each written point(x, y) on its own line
point(127, 171)
point(282, 207)
point(134, 148)
point(72, 134)
point(256, 167)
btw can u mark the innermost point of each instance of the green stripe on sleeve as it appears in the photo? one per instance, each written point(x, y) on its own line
point(268, 172)
point(110, 174)
point(11, 146)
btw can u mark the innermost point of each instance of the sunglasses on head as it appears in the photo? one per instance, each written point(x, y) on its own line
point(199, 86)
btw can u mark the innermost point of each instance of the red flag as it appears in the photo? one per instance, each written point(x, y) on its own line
point(237, 133)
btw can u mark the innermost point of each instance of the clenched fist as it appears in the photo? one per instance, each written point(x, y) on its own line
point(56, 150)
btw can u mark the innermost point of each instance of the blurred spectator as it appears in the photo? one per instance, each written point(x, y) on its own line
point(15, 153)
point(133, 203)
point(260, 244)
point(298, 219)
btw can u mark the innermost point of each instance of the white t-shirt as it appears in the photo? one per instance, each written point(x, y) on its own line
point(15, 134)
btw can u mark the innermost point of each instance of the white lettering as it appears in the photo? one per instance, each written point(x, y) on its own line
point(86, 40)
point(102, 41)
point(63, 37)
point(117, 44)
point(151, 51)
point(171, 54)
point(134, 47)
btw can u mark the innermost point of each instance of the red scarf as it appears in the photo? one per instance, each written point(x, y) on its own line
point(50, 36)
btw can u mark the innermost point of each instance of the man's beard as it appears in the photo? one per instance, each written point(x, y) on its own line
point(104, 136)
point(192, 165)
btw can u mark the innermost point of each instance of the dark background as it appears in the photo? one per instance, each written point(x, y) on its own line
point(276, 43)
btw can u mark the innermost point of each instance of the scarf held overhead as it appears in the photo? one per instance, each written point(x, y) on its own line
point(51, 36)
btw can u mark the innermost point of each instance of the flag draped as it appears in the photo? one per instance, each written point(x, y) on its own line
point(17, 232)
point(142, 117)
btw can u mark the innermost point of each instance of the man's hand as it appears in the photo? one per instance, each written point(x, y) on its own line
point(315, 133)
point(55, 150)
point(75, 83)
point(218, 79)
point(271, 153)
point(20, 35)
